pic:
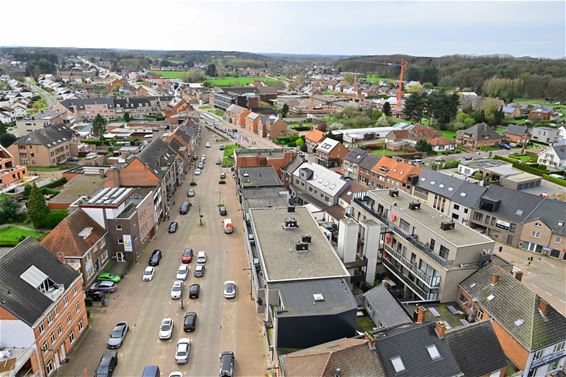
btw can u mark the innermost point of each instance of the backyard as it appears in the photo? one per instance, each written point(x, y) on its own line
point(12, 235)
point(228, 159)
point(449, 134)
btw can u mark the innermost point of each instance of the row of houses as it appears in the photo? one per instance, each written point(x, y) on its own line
point(269, 126)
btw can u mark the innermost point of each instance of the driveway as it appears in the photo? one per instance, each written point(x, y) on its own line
point(222, 325)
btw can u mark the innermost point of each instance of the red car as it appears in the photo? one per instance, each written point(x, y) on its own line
point(187, 255)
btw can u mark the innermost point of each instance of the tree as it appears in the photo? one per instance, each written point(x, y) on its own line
point(99, 126)
point(383, 121)
point(387, 109)
point(9, 210)
point(37, 207)
point(127, 117)
point(423, 146)
point(284, 110)
point(211, 70)
point(7, 139)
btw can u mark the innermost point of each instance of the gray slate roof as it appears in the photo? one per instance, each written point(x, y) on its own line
point(356, 155)
point(157, 156)
point(298, 297)
point(516, 129)
point(369, 161)
point(386, 307)
point(476, 349)
point(293, 164)
point(515, 308)
point(409, 342)
point(553, 214)
point(468, 194)
point(480, 131)
point(19, 297)
point(560, 151)
point(259, 176)
point(439, 183)
point(515, 205)
point(49, 136)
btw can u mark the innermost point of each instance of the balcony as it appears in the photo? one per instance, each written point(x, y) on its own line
point(414, 287)
point(431, 281)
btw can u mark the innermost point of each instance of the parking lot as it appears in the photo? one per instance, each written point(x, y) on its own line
point(222, 325)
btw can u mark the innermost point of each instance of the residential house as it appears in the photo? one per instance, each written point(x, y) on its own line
point(272, 127)
point(540, 114)
point(183, 142)
point(352, 162)
point(37, 121)
point(81, 243)
point(10, 172)
point(313, 139)
point(330, 153)
point(403, 176)
point(479, 135)
point(544, 230)
point(317, 185)
point(424, 252)
point(277, 158)
point(511, 111)
point(517, 134)
point(7, 115)
point(180, 107)
point(547, 135)
point(380, 171)
point(384, 309)
point(46, 147)
point(346, 357)
point(531, 332)
point(287, 171)
point(365, 173)
point(42, 307)
point(442, 144)
point(113, 108)
point(252, 123)
point(554, 157)
point(237, 115)
point(81, 185)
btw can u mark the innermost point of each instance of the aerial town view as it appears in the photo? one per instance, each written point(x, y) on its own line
point(283, 188)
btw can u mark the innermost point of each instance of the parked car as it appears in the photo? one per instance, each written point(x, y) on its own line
point(176, 289)
point(194, 291)
point(95, 294)
point(201, 256)
point(222, 175)
point(155, 257)
point(173, 227)
point(208, 145)
point(191, 193)
point(107, 276)
point(218, 161)
point(151, 371)
point(118, 335)
point(182, 272)
point(200, 165)
point(187, 255)
point(183, 351)
point(223, 211)
point(176, 374)
point(229, 289)
point(203, 157)
point(166, 329)
point(227, 364)
point(221, 147)
point(184, 208)
point(439, 159)
point(199, 271)
point(467, 158)
point(107, 363)
point(197, 171)
point(104, 286)
point(190, 321)
point(251, 238)
point(148, 273)
point(505, 146)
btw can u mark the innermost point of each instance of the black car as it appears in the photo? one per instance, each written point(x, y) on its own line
point(227, 364)
point(194, 291)
point(173, 227)
point(155, 257)
point(190, 321)
point(108, 362)
point(95, 294)
point(223, 211)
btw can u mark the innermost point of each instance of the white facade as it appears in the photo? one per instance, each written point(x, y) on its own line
point(16, 334)
point(550, 158)
point(546, 361)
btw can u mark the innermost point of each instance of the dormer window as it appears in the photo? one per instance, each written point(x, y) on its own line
point(40, 281)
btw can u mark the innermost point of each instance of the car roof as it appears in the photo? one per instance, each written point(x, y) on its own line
point(149, 268)
point(200, 267)
point(183, 267)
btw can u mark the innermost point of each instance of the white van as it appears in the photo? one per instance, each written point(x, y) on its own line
point(201, 257)
point(228, 227)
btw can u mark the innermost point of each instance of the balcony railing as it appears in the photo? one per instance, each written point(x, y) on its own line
point(431, 281)
point(412, 239)
point(418, 290)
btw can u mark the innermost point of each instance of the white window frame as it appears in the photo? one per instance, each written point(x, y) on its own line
point(535, 234)
point(72, 337)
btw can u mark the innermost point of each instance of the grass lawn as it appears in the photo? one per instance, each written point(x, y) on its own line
point(228, 159)
point(364, 323)
point(306, 124)
point(523, 158)
point(383, 152)
point(375, 79)
point(170, 74)
point(204, 107)
point(217, 112)
point(10, 236)
point(240, 81)
point(449, 134)
point(44, 168)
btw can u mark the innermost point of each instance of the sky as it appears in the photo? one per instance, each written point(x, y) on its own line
point(422, 28)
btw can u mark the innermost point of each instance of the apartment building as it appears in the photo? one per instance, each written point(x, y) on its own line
point(317, 185)
point(424, 251)
point(42, 308)
point(330, 153)
point(114, 108)
point(222, 98)
point(10, 173)
point(38, 121)
point(46, 147)
point(352, 162)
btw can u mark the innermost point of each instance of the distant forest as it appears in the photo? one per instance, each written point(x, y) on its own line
point(502, 77)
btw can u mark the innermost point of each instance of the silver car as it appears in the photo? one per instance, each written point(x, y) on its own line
point(118, 335)
point(166, 329)
point(183, 351)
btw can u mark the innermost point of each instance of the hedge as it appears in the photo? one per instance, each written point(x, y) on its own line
point(56, 183)
point(533, 170)
point(558, 181)
point(53, 218)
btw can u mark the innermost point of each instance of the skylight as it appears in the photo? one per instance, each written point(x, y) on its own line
point(441, 185)
point(519, 212)
point(432, 182)
point(463, 194)
point(490, 297)
point(397, 364)
point(519, 322)
point(450, 188)
point(423, 179)
point(472, 285)
point(433, 352)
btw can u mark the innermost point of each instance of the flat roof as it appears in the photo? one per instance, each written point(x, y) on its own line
point(82, 185)
point(276, 246)
point(430, 218)
point(484, 163)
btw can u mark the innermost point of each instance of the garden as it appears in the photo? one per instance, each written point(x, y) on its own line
point(228, 159)
point(12, 235)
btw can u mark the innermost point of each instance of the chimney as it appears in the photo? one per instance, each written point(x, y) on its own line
point(61, 257)
point(420, 314)
point(542, 307)
point(440, 329)
point(519, 275)
point(495, 279)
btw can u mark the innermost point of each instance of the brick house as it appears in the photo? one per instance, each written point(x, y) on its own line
point(46, 147)
point(517, 134)
point(276, 158)
point(544, 230)
point(479, 135)
point(531, 332)
point(81, 242)
point(42, 307)
point(365, 173)
point(330, 153)
point(442, 144)
point(540, 114)
point(511, 111)
point(253, 121)
point(9, 171)
point(313, 138)
point(181, 107)
point(272, 127)
point(237, 115)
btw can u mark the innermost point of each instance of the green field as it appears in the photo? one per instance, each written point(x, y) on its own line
point(241, 81)
point(11, 235)
point(383, 152)
point(170, 74)
point(451, 135)
point(375, 79)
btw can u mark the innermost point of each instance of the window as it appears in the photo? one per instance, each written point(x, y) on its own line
point(49, 367)
point(53, 337)
point(56, 311)
point(462, 299)
point(44, 346)
point(65, 300)
point(557, 239)
point(404, 225)
point(75, 290)
point(479, 316)
point(77, 307)
point(478, 216)
point(512, 228)
point(538, 355)
point(456, 206)
point(118, 227)
point(41, 328)
point(69, 319)
point(535, 234)
point(80, 326)
point(397, 364)
point(59, 330)
point(559, 347)
point(444, 252)
point(465, 210)
point(120, 241)
point(72, 337)
point(433, 352)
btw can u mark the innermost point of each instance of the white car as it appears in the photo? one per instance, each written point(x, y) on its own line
point(229, 289)
point(201, 257)
point(208, 145)
point(203, 157)
point(183, 272)
point(176, 374)
point(183, 351)
point(176, 290)
point(166, 329)
point(197, 171)
point(148, 273)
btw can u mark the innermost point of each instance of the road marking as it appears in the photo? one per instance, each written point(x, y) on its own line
point(548, 293)
point(534, 285)
point(562, 301)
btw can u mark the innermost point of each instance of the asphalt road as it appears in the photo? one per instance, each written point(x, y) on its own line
point(222, 325)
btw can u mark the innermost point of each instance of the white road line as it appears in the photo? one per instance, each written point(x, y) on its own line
point(534, 285)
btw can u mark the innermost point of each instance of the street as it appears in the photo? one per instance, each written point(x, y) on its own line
point(222, 325)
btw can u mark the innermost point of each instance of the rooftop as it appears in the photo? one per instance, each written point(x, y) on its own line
point(259, 176)
point(280, 260)
point(484, 163)
point(109, 196)
point(82, 185)
point(323, 179)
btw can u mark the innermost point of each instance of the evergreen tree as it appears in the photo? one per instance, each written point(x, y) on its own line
point(423, 146)
point(211, 70)
point(99, 126)
point(127, 117)
point(37, 207)
point(387, 109)
point(284, 110)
